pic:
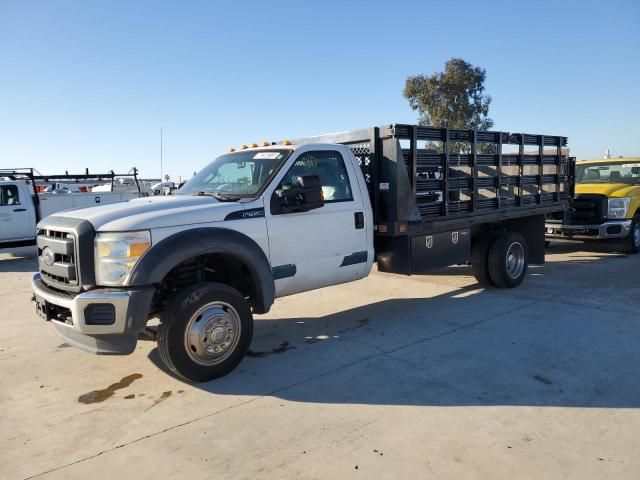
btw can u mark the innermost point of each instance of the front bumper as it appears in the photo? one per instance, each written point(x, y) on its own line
point(72, 317)
point(605, 231)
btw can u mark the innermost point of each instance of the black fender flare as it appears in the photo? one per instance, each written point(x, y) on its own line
point(162, 257)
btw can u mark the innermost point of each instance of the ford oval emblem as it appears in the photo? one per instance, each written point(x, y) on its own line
point(48, 257)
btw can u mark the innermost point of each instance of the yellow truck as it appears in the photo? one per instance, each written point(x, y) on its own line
point(606, 204)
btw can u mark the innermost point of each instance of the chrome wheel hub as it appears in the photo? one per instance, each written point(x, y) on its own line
point(212, 333)
point(515, 260)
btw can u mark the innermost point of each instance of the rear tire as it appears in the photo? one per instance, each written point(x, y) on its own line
point(480, 259)
point(508, 260)
point(205, 331)
point(632, 242)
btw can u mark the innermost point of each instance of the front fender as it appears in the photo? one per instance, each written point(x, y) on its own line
point(634, 206)
point(162, 257)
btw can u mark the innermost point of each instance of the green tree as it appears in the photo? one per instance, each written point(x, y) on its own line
point(453, 98)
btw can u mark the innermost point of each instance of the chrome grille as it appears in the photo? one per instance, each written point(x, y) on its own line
point(58, 265)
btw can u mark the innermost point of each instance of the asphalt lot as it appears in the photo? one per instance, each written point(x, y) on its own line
point(389, 377)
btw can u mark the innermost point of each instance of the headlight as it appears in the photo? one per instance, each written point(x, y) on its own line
point(618, 207)
point(117, 253)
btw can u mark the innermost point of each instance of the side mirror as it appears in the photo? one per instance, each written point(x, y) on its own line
point(305, 196)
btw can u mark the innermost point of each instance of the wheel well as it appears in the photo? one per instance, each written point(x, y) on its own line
point(531, 228)
point(214, 267)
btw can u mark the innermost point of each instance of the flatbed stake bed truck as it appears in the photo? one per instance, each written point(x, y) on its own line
point(274, 220)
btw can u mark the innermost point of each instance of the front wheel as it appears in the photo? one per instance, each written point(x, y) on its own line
point(632, 242)
point(508, 260)
point(205, 331)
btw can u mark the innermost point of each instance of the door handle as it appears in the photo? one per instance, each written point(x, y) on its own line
point(359, 220)
point(19, 209)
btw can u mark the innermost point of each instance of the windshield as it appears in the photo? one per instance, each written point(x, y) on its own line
point(623, 172)
point(237, 175)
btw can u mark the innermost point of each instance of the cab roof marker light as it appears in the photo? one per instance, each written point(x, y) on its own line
point(287, 142)
point(266, 144)
point(254, 145)
point(244, 147)
point(231, 149)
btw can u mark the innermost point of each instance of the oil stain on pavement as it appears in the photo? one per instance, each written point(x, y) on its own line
point(97, 396)
point(163, 397)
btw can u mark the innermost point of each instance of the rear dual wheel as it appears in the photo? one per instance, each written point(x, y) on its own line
point(500, 260)
point(480, 259)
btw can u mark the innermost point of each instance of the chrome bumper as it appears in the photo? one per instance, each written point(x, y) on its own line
point(605, 231)
point(78, 304)
point(130, 312)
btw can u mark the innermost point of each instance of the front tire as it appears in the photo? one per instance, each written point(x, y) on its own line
point(508, 260)
point(632, 242)
point(205, 331)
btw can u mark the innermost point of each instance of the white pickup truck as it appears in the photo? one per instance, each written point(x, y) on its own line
point(277, 219)
point(21, 206)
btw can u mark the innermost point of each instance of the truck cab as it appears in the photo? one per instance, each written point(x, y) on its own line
point(254, 225)
point(312, 209)
point(606, 205)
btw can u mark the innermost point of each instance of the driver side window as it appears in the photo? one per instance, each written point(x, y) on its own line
point(9, 195)
point(329, 167)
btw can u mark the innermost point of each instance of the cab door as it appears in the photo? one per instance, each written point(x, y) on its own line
point(323, 246)
point(16, 222)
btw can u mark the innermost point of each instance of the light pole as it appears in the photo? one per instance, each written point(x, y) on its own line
point(161, 177)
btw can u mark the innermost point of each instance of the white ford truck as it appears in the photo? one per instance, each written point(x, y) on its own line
point(277, 219)
point(22, 206)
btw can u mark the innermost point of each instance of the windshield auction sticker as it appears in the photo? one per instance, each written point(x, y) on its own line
point(266, 155)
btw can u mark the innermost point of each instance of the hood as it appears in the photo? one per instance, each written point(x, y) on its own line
point(154, 212)
point(615, 190)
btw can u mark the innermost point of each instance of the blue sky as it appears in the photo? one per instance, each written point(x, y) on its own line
point(89, 84)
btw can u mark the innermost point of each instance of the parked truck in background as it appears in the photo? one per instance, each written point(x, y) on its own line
point(126, 185)
point(272, 220)
point(22, 206)
point(163, 188)
point(606, 205)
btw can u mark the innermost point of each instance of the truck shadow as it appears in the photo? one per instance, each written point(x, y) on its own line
point(467, 347)
point(588, 246)
point(579, 252)
point(22, 259)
